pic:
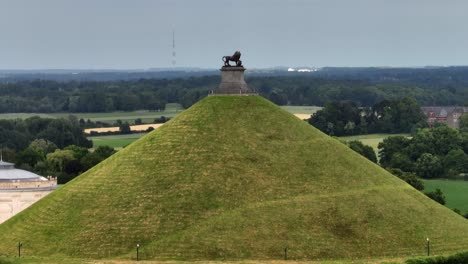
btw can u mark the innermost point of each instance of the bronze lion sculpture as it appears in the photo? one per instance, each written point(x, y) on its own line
point(235, 58)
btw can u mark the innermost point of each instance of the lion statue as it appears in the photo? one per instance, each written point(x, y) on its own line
point(235, 58)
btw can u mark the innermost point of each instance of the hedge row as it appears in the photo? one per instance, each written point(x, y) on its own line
point(459, 258)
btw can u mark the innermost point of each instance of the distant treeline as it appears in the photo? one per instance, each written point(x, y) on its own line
point(18, 134)
point(47, 96)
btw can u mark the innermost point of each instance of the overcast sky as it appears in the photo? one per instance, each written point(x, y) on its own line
point(119, 34)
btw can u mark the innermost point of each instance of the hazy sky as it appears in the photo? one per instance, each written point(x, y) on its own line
point(116, 34)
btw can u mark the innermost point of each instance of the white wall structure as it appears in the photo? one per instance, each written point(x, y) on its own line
point(19, 189)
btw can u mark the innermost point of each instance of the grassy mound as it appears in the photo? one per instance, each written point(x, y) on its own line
point(235, 178)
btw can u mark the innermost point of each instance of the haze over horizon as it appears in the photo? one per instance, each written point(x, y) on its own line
point(118, 34)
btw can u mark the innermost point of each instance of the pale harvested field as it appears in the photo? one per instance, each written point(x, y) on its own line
point(116, 129)
point(302, 116)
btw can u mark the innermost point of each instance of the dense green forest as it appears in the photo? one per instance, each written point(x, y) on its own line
point(47, 96)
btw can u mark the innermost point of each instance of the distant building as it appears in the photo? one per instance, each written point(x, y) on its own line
point(449, 115)
point(19, 189)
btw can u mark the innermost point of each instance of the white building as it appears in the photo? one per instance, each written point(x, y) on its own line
point(19, 189)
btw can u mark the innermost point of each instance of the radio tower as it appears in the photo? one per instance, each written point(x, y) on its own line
point(173, 49)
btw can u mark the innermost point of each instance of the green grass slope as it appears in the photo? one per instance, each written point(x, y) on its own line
point(235, 178)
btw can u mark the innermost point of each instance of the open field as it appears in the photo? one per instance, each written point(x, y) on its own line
point(115, 129)
point(24, 115)
point(456, 192)
point(303, 112)
point(115, 141)
point(172, 110)
point(372, 140)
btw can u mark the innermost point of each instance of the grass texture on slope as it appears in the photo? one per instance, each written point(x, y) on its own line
point(235, 177)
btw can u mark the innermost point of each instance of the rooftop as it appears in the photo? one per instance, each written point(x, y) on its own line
point(9, 173)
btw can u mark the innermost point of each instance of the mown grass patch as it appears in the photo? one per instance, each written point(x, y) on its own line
point(115, 141)
point(456, 192)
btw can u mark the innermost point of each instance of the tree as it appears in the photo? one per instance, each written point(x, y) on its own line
point(456, 160)
point(64, 132)
point(125, 128)
point(464, 141)
point(407, 115)
point(43, 145)
point(104, 151)
point(422, 142)
point(349, 128)
point(337, 118)
point(78, 152)
point(364, 150)
point(445, 139)
point(409, 178)
point(93, 158)
point(464, 123)
point(138, 121)
point(429, 166)
point(161, 120)
point(29, 156)
point(90, 160)
point(389, 146)
point(401, 161)
point(437, 196)
point(59, 158)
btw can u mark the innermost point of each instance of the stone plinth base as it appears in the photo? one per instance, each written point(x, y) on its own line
point(232, 82)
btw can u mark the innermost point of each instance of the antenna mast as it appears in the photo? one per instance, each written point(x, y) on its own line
point(173, 49)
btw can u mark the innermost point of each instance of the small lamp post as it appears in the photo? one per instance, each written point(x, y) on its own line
point(137, 248)
point(428, 246)
point(19, 249)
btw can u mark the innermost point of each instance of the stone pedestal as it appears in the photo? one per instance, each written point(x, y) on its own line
point(232, 82)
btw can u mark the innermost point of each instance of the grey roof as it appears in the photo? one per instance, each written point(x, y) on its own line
point(4, 164)
point(8, 172)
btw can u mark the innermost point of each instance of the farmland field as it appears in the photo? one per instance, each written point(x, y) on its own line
point(306, 111)
point(372, 140)
point(115, 141)
point(456, 192)
point(172, 109)
point(24, 115)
